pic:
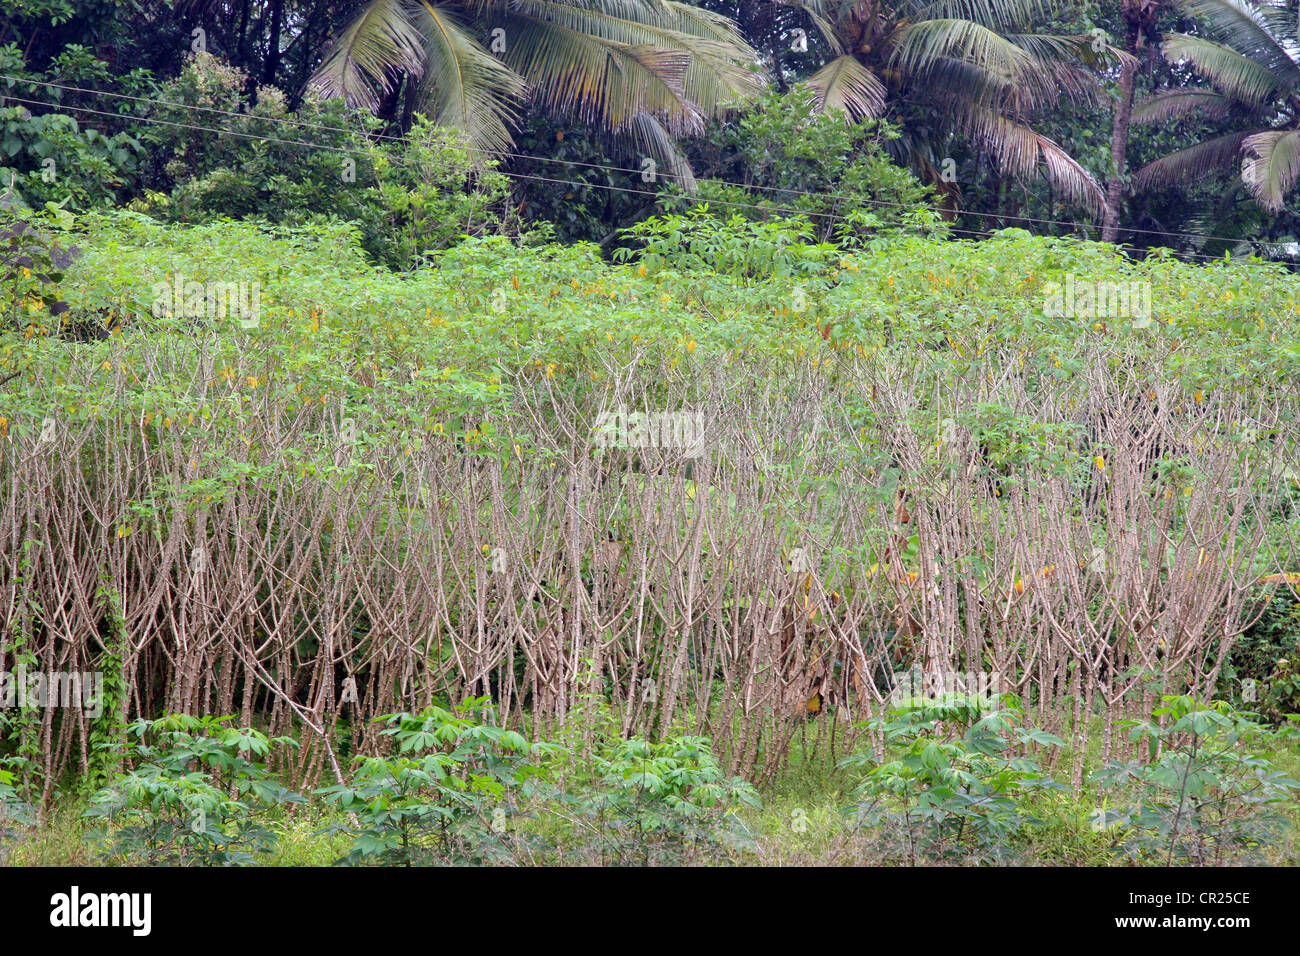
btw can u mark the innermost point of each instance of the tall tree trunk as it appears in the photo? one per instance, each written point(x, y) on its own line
point(1120, 127)
point(273, 45)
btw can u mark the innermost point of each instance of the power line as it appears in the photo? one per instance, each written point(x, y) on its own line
point(830, 217)
point(502, 154)
point(406, 165)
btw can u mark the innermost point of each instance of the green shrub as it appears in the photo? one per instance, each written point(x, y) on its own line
point(406, 199)
point(49, 157)
point(789, 160)
point(739, 248)
point(958, 790)
point(1262, 672)
point(15, 814)
point(443, 797)
point(1204, 798)
point(667, 802)
point(196, 798)
point(32, 264)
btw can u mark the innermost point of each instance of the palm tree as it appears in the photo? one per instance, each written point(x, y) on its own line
point(973, 68)
point(1252, 62)
point(651, 69)
point(1140, 17)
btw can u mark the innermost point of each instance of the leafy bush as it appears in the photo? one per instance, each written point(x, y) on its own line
point(194, 799)
point(736, 247)
point(434, 191)
point(958, 789)
point(49, 157)
point(1262, 672)
point(15, 814)
point(406, 198)
point(262, 161)
point(442, 796)
point(1204, 798)
point(32, 264)
point(666, 802)
point(78, 159)
point(788, 160)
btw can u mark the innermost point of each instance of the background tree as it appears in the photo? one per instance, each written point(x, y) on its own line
point(653, 70)
point(1252, 64)
point(1140, 33)
point(973, 70)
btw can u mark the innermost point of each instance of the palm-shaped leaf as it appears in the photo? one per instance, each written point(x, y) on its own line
point(1192, 163)
point(464, 85)
point(1019, 150)
point(1253, 63)
point(721, 67)
point(1176, 104)
point(820, 14)
point(724, 70)
point(1272, 163)
point(615, 63)
point(846, 86)
point(1000, 15)
point(376, 48)
point(1252, 30)
point(919, 45)
point(651, 136)
point(1230, 72)
point(973, 68)
point(599, 80)
point(1072, 47)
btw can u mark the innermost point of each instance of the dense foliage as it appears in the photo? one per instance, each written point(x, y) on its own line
point(528, 433)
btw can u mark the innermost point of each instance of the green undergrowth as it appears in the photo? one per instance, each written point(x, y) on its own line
point(952, 787)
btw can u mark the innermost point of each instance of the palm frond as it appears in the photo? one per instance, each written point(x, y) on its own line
point(598, 80)
point(1271, 165)
point(374, 50)
point(1082, 47)
point(725, 70)
point(1192, 163)
point(464, 85)
point(1252, 31)
point(1019, 150)
point(723, 66)
point(1022, 72)
point(1175, 104)
point(917, 46)
point(652, 136)
point(846, 86)
point(1000, 15)
point(1229, 71)
point(822, 20)
point(948, 80)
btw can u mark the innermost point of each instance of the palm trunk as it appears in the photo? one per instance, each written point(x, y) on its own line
point(1119, 134)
